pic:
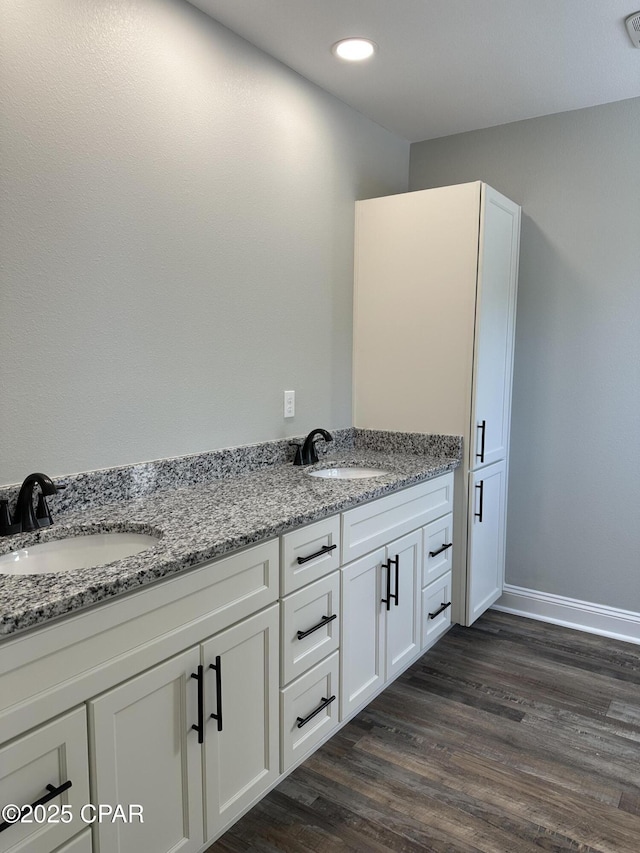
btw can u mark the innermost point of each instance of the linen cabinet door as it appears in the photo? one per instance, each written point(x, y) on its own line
point(241, 740)
point(402, 624)
point(362, 632)
point(486, 524)
point(145, 752)
point(495, 325)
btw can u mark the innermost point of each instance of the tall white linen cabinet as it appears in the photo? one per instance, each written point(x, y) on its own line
point(434, 320)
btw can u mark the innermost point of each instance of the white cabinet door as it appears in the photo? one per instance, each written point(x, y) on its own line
point(402, 613)
point(145, 752)
point(486, 538)
point(380, 631)
point(361, 631)
point(495, 321)
point(241, 745)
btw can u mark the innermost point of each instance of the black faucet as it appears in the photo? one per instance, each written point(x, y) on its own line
point(24, 515)
point(306, 453)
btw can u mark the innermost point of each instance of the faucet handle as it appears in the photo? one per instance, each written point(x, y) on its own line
point(6, 527)
point(297, 459)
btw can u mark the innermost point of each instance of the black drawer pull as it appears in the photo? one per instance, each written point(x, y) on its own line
point(52, 794)
point(324, 704)
point(324, 550)
point(217, 667)
point(440, 610)
point(324, 621)
point(199, 677)
point(440, 550)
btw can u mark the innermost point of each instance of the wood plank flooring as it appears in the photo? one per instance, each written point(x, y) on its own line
point(512, 735)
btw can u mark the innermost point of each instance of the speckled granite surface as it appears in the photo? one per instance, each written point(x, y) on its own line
point(96, 488)
point(212, 517)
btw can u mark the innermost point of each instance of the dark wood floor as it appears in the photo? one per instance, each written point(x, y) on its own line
point(512, 735)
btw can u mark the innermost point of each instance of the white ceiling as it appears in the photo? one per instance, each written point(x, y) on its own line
point(447, 66)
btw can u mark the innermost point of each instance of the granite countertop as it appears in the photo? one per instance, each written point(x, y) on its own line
point(196, 523)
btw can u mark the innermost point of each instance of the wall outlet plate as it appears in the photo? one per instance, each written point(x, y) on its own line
point(289, 404)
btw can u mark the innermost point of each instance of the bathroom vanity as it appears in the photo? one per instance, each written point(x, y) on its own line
point(185, 700)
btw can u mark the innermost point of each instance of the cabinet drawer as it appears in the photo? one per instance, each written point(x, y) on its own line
point(80, 844)
point(306, 555)
point(438, 542)
point(302, 612)
point(53, 755)
point(299, 701)
point(374, 524)
point(436, 617)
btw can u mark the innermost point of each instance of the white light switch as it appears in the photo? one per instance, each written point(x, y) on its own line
point(289, 404)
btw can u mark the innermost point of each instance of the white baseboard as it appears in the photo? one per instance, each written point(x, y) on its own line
point(571, 613)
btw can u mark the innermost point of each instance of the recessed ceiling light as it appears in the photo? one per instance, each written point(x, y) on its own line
point(354, 49)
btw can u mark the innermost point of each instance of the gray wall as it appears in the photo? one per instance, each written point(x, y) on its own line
point(574, 491)
point(176, 236)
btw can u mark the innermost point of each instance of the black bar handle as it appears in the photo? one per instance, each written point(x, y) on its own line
point(480, 486)
point(217, 667)
point(387, 600)
point(52, 794)
point(442, 607)
point(324, 550)
point(396, 560)
point(440, 550)
point(199, 677)
point(324, 621)
point(483, 427)
point(302, 721)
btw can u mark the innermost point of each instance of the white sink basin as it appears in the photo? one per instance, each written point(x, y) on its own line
point(347, 473)
point(75, 552)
